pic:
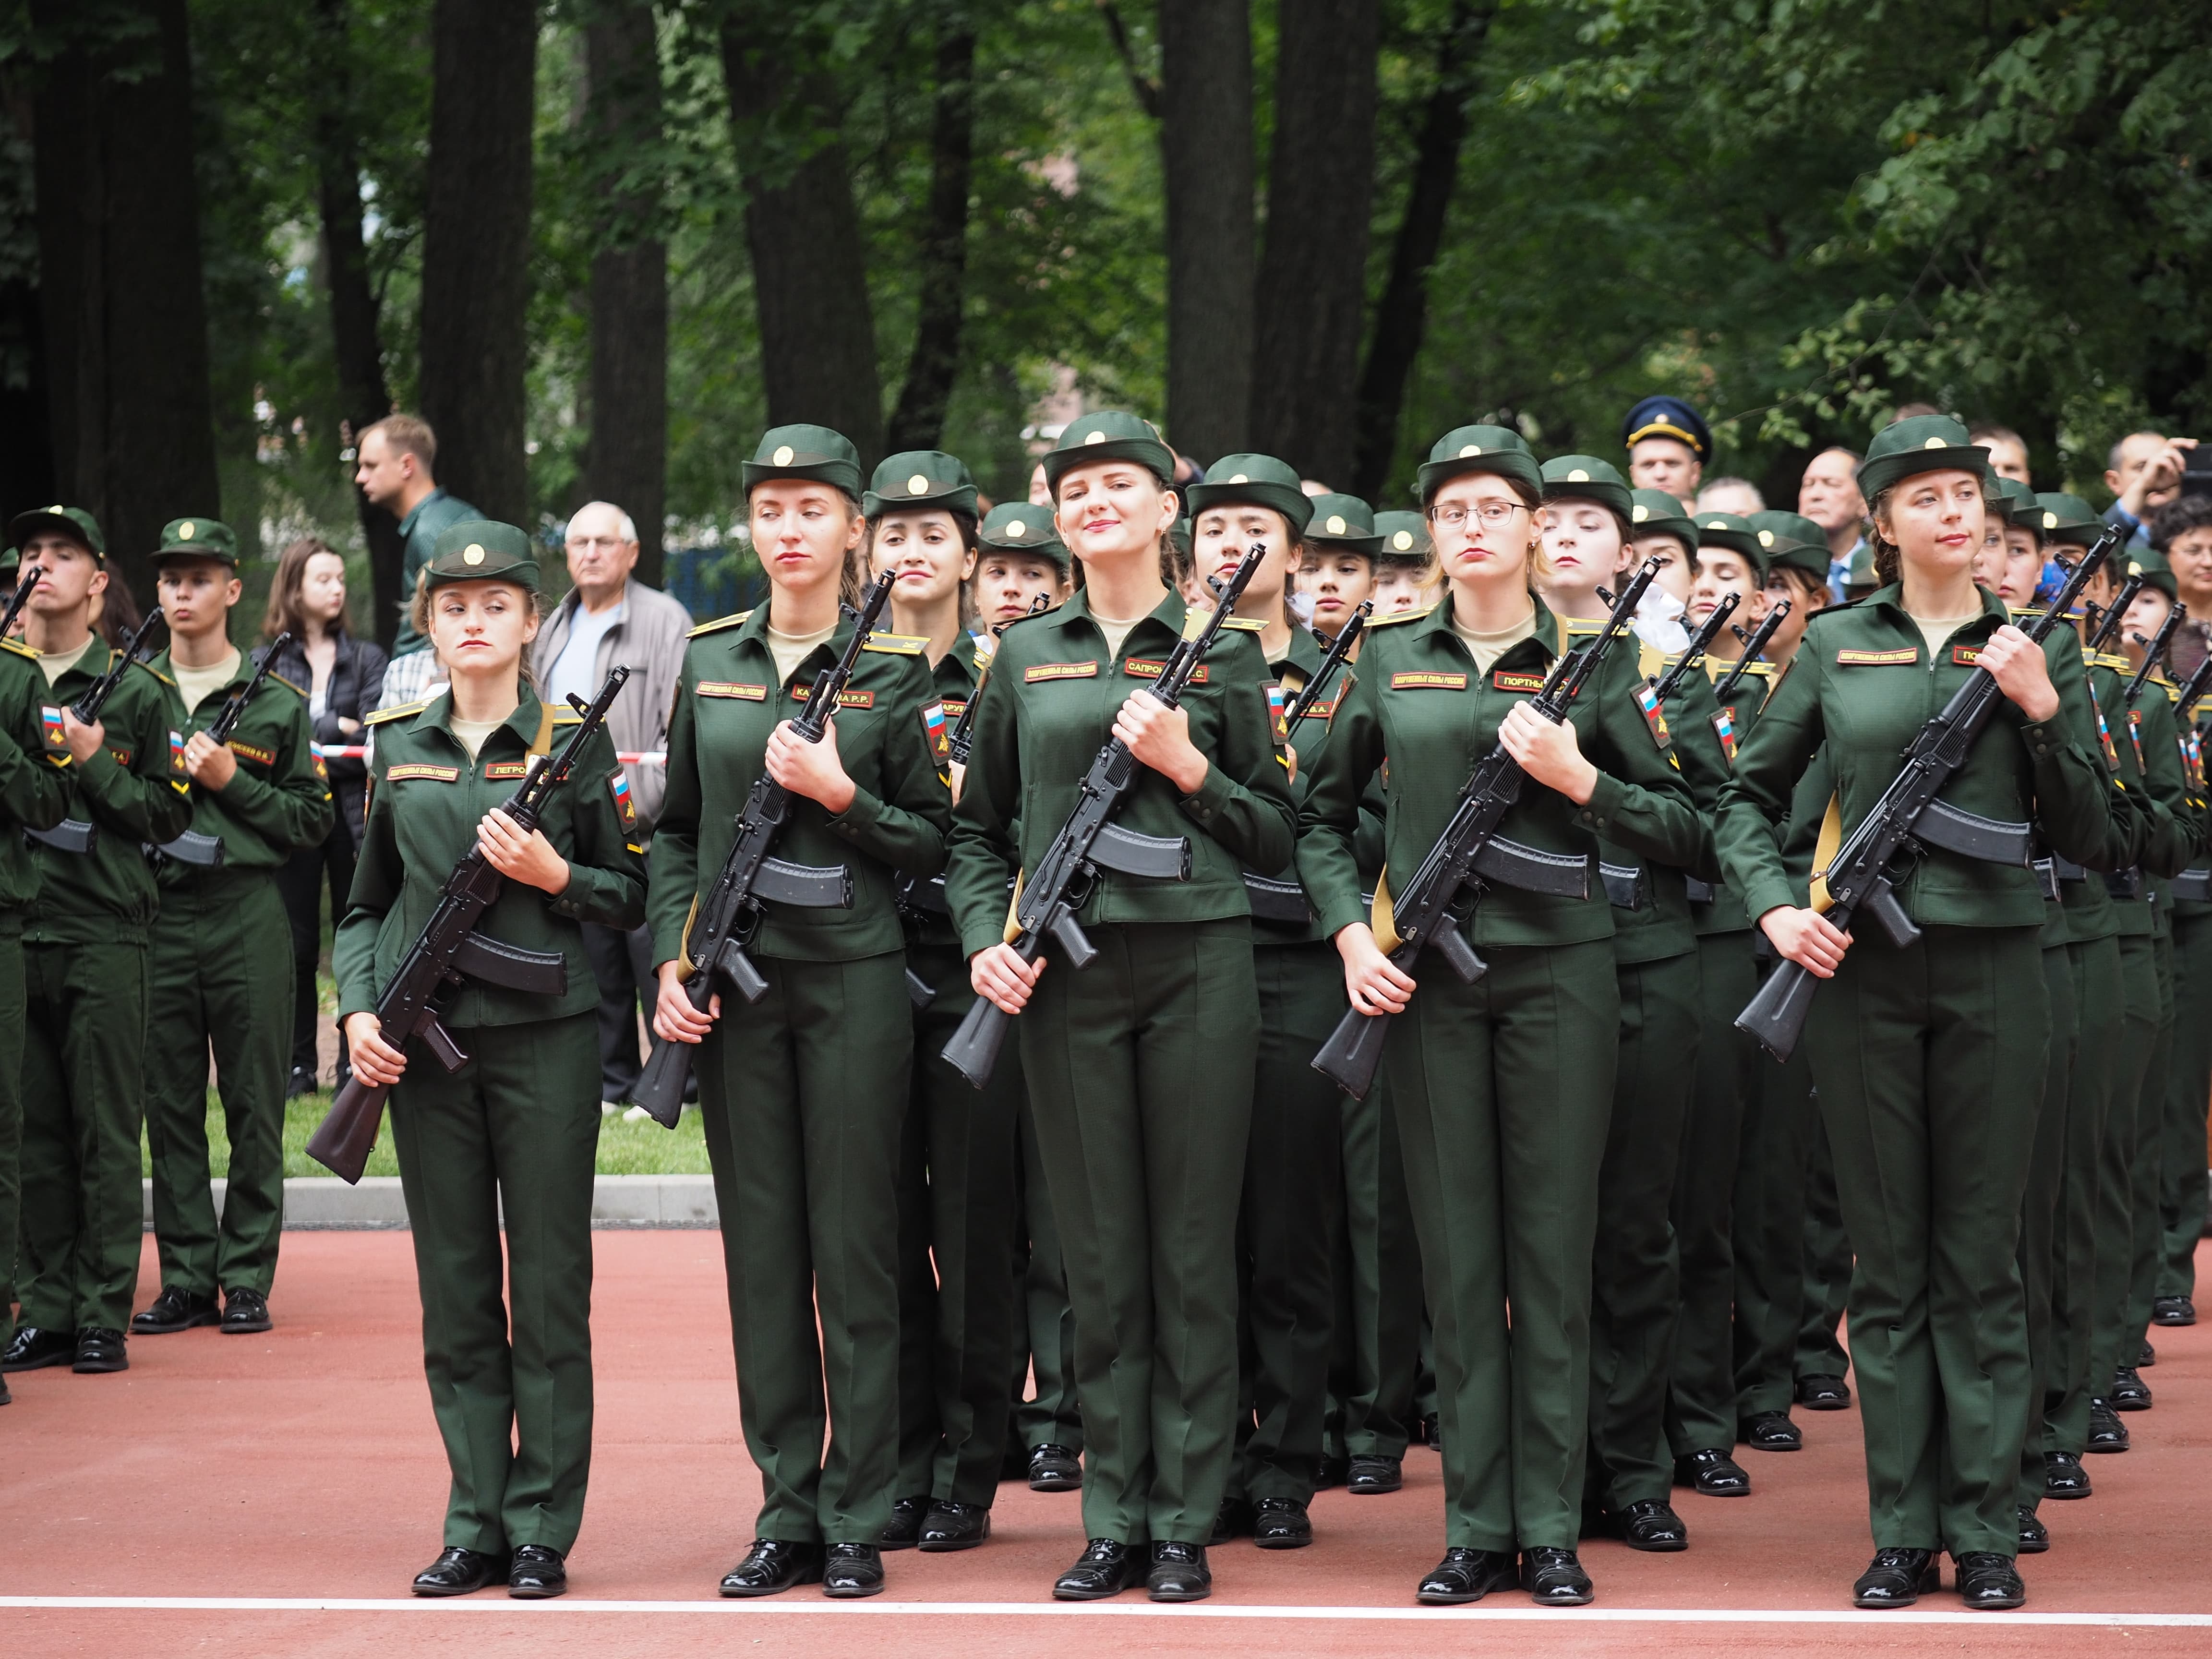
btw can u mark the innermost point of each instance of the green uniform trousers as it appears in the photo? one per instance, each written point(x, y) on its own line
point(11, 1111)
point(1771, 1165)
point(2099, 998)
point(2120, 1156)
point(1044, 1336)
point(84, 1098)
point(2149, 1246)
point(1826, 1261)
point(2188, 1086)
point(219, 963)
point(507, 1143)
point(1293, 1194)
point(1504, 1090)
point(1929, 1063)
point(957, 1205)
point(1139, 1071)
point(2037, 1252)
point(802, 1094)
point(1377, 1347)
point(1634, 1269)
point(1701, 1397)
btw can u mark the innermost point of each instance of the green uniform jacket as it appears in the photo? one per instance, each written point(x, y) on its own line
point(955, 676)
point(33, 790)
point(1724, 913)
point(279, 798)
point(134, 791)
point(1047, 710)
point(1421, 708)
point(1862, 684)
point(2173, 831)
point(426, 797)
point(1293, 671)
point(727, 702)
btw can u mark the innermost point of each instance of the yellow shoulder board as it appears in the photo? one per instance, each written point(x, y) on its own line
point(897, 645)
point(737, 619)
point(1396, 617)
point(565, 716)
point(1245, 625)
point(288, 684)
point(399, 714)
point(148, 667)
point(1575, 627)
point(20, 648)
point(2116, 662)
point(2029, 615)
point(1651, 660)
point(1759, 668)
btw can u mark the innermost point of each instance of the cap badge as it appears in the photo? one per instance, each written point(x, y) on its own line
point(1767, 538)
point(473, 553)
point(1336, 523)
point(1465, 449)
point(1578, 475)
point(1017, 529)
point(2050, 520)
point(1095, 438)
point(1238, 477)
point(1934, 443)
point(1642, 512)
point(185, 531)
point(1402, 541)
point(782, 456)
point(917, 485)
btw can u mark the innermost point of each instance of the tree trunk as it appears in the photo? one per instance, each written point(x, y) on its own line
point(803, 228)
point(1206, 159)
point(918, 423)
point(1310, 306)
point(475, 249)
point(1402, 314)
point(627, 460)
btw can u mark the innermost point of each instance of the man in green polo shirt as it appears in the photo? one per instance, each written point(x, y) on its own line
point(394, 467)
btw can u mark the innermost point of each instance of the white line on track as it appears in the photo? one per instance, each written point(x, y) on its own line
point(1105, 1609)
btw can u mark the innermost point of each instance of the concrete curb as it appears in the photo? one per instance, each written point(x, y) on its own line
point(326, 1203)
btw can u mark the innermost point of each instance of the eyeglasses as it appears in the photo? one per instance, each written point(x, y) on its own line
point(1491, 514)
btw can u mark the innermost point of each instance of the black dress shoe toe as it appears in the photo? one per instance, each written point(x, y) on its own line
point(1232, 1520)
point(1371, 1476)
point(1105, 1568)
point(1555, 1578)
point(175, 1309)
point(538, 1574)
point(850, 1571)
point(2129, 1392)
point(32, 1347)
point(2146, 1355)
point(1330, 1472)
point(457, 1572)
point(1898, 1578)
point(1055, 1468)
point(2034, 1536)
point(244, 1311)
point(1771, 1431)
point(1713, 1473)
point(1179, 1573)
point(1989, 1583)
point(955, 1526)
point(301, 1082)
point(2173, 1310)
point(908, 1516)
point(2063, 1476)
point(1651, 1525)
point(99, 1350)
point(1466, 1575)
point(1280, 1523)
point(772, 1565)
point(1433, 1433)
point(1820, 1393)
point(2107, 1432)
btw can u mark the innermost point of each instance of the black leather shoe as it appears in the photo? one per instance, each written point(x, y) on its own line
point(1232, 1520)
point(100, 1350)
point(1330, 1472)
point(908, 1516)
point(1650, 1524)
point(1555, 1578)
point(1468, 1576)
point(1898, 1578)
point(1106, 1567)
point(2107, 1432)
point(246, 1311)
point(1771, 1431)
point(1280, 1523)
point(2173, 1310)
point(1371, 1477)
point(1055, 1468)
point(32, 1348)
point(1179, 1573)
point(1433, 1433)
point(1989, 1583)
point(539, 1573)
point(2063, 1476)
point(2034, 1536)
point(772, 1565)
point(850, 1571)
point(2146, 1355)
point(174, 1310)
point(955, 1526)
point(1713, 1473)
point(1823, 1393)
point(457, 1572)
point(301, 1082)
point(2129, 1392)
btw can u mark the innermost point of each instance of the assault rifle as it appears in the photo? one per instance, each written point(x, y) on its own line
point(1090, 842)
point(80, 835)
point(205, 852)
point(1694, 653)
point(728, 914)
point(1470, 853)
point(1271, 898)
point(1339, 651)
point(2108, 621)
point(2155, 649)
point(1754, 643)
point(1863, 874)
point(24, 583)
point(449, 950)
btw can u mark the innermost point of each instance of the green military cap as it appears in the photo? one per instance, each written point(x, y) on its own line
point(1344, 521)
point(1020, 527)
point(919, 478)
point(1920, 443)
point(1793, 539)
point(2153, 569)
point(1480, 449)
point(73, 522)
point(805, 451)
point(2069, 519)
point(1586, 478)
point(1655, 512)
point(1404, 537)
point(1252, 481)
point(1732, 531)
point(1110, 434)
point(202, 538)
point(1862, 577)
point(1179, 533)
point(11, 561)
point(482, 549)
point(2017, 502)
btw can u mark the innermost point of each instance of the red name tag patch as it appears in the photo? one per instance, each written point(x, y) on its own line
point(503, 769)
point(845, 699)
point(1965, 655)
point(1505, 681)
point(1143, 668)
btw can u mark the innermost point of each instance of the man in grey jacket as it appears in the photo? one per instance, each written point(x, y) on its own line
point(609, 618)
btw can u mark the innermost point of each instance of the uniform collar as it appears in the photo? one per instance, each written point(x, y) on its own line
point(1304, 655)
point(1170, 613)
point(1439, 621)
point(1891, 600)
point(531, 722)
point(163, 663)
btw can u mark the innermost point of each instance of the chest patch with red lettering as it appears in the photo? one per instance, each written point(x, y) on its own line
point(1036, 673)
point(505, 771)
point(248, 751)
point(423, 770)
point(1504, 680)
point(1423, 679)
point(734, 688)
point(1904, 656)
point(845, 699)
point(1148, 668)
point(1965, 655)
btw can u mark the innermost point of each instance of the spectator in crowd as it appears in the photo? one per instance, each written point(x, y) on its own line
point(610, 618)
point(1738, 496)
point(1668, 444)
point(2182, 531)
point(1911, 412)
point(2144, 471)
point(2008, 451)
point(394, 464)
point(1829, 496)
point(341, 675)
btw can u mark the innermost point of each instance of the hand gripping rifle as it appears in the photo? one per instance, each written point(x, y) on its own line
point(1090, 842)
point(1754, 643)
point(1863, 874)
point(1470, 853)
point(727, 918)
point(81, 834)
point(2155, 649)
point(205, 852)
point(449, 950)
point(1694, 653)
